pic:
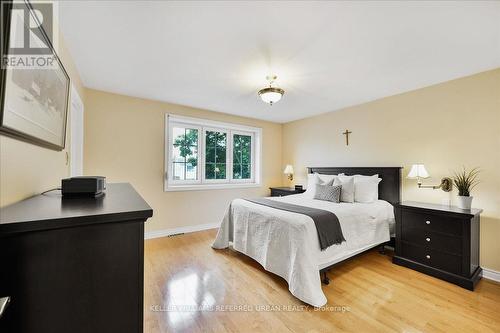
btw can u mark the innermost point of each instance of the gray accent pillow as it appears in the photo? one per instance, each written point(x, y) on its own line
point(328, 193)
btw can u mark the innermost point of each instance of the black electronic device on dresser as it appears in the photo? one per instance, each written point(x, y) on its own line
point(91, 186)
point(438, 240)
point(283, 191)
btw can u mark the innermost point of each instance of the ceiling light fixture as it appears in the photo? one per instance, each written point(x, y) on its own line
point(271, 94)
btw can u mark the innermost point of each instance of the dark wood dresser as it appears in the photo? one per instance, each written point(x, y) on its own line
point(74, 265)
point(441, 241)
point(283, 191)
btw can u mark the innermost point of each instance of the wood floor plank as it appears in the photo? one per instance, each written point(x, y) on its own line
point(186, 281)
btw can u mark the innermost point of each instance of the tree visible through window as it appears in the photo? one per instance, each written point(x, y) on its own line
point(242, 156)
point(215, 155)
point(204, 153)
point(185, 157)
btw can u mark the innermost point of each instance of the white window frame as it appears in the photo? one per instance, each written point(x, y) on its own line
point(204, 157)
point(203, 125)
point(170, 164)
point(252, 156)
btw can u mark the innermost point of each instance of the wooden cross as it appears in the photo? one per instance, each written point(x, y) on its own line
point(346, 133)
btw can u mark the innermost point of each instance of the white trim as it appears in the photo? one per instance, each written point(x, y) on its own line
point(180, 230)
point(217, 186)
point(491, 274)
point(201, 183)
point(253, 160)
point(77, 133)
point(169, 167)
point(211, 123)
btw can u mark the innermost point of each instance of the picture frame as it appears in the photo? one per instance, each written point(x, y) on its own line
point(34, 102)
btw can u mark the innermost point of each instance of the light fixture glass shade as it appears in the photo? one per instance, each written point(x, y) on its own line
point(271, 95)
point(288, 170)
point(418, 171)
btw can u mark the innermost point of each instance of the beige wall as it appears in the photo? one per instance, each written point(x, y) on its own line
point(445, 126)
point(124, 141)
point(26, 169)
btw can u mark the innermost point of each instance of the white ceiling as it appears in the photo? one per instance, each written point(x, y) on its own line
point(327, 55)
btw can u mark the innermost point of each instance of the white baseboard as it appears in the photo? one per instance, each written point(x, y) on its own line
point(179, 230)
point(491, 274)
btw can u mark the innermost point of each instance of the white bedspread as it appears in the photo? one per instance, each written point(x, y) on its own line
point(287, 244)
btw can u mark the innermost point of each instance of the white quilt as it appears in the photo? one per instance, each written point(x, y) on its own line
point(287, 244)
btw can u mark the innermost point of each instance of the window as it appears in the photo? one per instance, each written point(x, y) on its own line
point(185, 153)
point(203, 154)
point(216, 155)
point(242, 156)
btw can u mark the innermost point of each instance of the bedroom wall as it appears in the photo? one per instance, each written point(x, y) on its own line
point(445, 126)
point(27, 169)
point(125, 142)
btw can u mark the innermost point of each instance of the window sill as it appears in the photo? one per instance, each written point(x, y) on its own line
point(204, 187)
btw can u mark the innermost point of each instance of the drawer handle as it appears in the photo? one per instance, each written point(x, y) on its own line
point(428, 239)
point(427, 222)
point(428, 256)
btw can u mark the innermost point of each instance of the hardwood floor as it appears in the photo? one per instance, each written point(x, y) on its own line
point(184, 272)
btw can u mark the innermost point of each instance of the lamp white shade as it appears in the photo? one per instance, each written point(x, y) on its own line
point(288, 170)
point(418, 171)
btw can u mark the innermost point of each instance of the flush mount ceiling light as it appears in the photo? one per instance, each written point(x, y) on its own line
point(271, 94)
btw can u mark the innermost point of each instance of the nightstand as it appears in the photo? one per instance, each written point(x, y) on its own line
point(283, 191)
point(437, 240)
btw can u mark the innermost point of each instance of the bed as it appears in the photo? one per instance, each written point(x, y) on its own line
point(286, 243)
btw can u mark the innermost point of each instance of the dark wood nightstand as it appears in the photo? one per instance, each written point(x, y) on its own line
point(283, 191)
point(437, 240)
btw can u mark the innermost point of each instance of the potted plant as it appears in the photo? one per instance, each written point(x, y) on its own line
point(465, 181)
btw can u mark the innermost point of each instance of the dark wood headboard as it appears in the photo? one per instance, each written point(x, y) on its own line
point(389, 189)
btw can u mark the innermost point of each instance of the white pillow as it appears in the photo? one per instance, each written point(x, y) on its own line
point(316, 178)
point(312, 180)
point(366, 188)
point(326, 178)
point(362, 177)
point(347, 192)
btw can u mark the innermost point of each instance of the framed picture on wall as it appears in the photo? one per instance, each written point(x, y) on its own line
point(34, 84)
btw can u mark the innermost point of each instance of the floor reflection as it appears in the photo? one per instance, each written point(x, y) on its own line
point(188, 294)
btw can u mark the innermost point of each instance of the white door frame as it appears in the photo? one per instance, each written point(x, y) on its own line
point(76, 119)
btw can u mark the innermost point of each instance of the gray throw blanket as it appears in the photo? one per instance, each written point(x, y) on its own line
point(327, 223)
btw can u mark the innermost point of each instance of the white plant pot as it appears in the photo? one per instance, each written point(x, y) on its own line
point(464, 202)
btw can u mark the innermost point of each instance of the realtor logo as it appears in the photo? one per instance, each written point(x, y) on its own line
point(28, 34)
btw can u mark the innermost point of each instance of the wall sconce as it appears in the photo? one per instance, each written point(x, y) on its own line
point(289, 172)
point(418, 171)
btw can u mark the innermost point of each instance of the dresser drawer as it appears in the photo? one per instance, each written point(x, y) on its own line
point(434, 258)
point(439, 240)
point(431, 222)
point(435, 240)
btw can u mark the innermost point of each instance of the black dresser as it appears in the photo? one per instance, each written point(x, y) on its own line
point(283, 191)
point(74, 265)
point(441, 241)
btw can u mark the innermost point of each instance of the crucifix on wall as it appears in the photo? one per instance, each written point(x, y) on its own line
point(346, 133)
